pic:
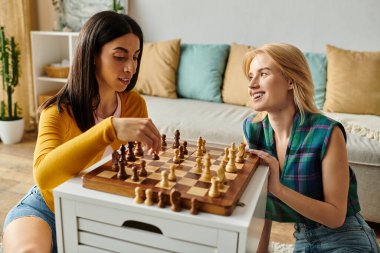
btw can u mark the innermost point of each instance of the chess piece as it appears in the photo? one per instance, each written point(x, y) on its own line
point(131, 156)
point(163, 141)
point(176, 158)
point(138, 195)
point(221, 174)
point(194, 206)
point(231, 166)
point(176, 139)
point(115, 160)
point(122, 174)
point(172, 176)
point(143, 172)
point(199, 147)
point(181, 154)
point(138, 149)
point(155, 156)
point(135, 175)
point(206, 174)
point(164, 183)
point(214, 189)
point(161, 200)
point(148, 197)
point(204, 146)
point(185, 151)
point(241, 153)
point(199, 165)
point(175, 200)
point(123, 152)
point(225, 157)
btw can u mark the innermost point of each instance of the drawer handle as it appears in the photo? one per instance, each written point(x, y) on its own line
point(142, 226)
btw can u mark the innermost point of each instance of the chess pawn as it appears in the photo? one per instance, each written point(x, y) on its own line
point(131, 156)
point(143, 172)
point(176, 158)
point(199, 147)
point(172, 176)
point(241, 153)
point(135, 176)
point(204, 146)
point(231, 166)
point(214, 189)
point(148, 197)
point(225, 157)
point(161, 200)
point(194, 206)
point(176, 139)
point(185, 151)
point(138, 195)
point(175, 200)
point(155, 156)
point(138, 149)
point(115, 161)
point(163, 141)
point(181, 154)
point(164, 183)
point(198, 165)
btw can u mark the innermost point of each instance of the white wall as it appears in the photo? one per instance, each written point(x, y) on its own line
point(308, 24)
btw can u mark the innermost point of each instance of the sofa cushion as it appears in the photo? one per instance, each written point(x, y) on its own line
point(363, 137)
point(353, 84)
point(158, 69)
point(200, 71)
point(235, 83)
point(318, 68)
point(216, 122)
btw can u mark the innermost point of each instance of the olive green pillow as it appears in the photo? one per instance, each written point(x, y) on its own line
point(159, 64)
point(353, 81)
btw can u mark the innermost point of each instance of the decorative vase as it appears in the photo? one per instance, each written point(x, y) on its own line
point(11, 131)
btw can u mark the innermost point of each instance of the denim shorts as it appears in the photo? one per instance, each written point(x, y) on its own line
point(353, 236)
point(33, 205)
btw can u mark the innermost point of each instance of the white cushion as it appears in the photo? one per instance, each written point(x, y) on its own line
point(215, 122)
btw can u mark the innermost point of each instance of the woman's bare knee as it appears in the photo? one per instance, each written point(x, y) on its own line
point(27, 234)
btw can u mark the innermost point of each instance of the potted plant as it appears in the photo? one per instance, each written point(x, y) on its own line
point(11, 121)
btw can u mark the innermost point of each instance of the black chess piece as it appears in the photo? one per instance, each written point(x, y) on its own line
point(131, 156)
point(122, 174)
point(135, 175)
point(143, 172)
point(176, 139)
point(155, 156)
point(138, 149)
point(185, 151)
point(161, 200)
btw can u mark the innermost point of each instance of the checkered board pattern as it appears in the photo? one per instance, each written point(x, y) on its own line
point(188, 182)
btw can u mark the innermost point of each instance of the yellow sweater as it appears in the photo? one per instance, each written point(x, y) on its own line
point(63, 150)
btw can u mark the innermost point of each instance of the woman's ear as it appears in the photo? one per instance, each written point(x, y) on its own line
point(290, 84)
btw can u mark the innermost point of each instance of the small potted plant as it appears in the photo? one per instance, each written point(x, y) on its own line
point(11, 121)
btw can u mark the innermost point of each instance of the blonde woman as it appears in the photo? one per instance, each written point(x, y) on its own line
point(310, 181)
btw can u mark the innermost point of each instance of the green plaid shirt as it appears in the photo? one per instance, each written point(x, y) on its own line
point(302, 170)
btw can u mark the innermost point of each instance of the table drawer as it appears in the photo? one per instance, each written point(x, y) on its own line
point(123, 223)
point(115, 238)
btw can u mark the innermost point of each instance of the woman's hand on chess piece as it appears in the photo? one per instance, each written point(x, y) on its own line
point(274, 184)
point(138, 129)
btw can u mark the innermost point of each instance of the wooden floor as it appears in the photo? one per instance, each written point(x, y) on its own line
point(16, 177)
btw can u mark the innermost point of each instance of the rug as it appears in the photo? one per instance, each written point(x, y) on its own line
point(276, 247)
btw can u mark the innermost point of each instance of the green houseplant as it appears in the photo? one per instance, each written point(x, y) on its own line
point(11, 121)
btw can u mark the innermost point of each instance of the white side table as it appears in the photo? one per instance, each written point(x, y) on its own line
point(94, 221)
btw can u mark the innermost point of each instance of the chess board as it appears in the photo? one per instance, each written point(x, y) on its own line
point(188, 182)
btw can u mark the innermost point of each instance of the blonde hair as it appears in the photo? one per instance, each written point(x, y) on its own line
point(293, 66)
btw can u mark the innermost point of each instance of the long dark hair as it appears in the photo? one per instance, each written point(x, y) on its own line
point(81, 92)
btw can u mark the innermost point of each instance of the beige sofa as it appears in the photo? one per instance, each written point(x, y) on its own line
point(164, 87)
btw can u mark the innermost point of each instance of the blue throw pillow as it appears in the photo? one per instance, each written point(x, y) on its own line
point(200, 71)
point(318, 67)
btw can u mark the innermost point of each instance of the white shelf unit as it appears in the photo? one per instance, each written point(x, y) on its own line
point(47, 48)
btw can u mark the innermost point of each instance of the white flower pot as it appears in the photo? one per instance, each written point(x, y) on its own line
point(11, 131)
